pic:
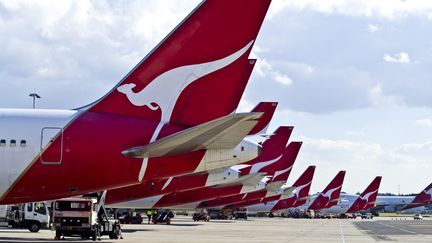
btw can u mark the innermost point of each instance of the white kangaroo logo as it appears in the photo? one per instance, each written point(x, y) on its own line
point(280, 172)
point(258, 166)
point(367, 195)
point(330, 192)
point(163, 92)
point(300, 188)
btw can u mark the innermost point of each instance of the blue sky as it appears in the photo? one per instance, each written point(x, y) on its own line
point(351, 76)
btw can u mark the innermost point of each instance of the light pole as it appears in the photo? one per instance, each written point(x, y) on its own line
point(34, 95)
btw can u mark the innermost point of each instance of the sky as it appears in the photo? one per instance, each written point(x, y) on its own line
point(351, 76)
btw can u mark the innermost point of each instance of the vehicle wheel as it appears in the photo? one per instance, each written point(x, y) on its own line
point(34, 227)
point(57, 235)
point(94, 235)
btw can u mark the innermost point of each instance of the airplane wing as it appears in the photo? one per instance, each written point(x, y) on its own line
point(223, 133)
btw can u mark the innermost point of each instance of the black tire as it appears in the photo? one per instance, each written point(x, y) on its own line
point(34, 227)
point(57, 235)
point(94, 235)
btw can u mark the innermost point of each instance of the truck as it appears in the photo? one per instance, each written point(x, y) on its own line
point(32, 216)
point(83, 217)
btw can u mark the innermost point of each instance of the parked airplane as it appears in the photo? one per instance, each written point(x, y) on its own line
point(172, 112)
point(261, 172)
point(234, 201)
point(298, 196)
point(272, 147)
point(330, 196)
point(355, 203)
point(399, 203)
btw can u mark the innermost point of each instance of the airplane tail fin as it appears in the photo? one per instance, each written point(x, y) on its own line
point(371, 193)
point(268, 109)
point(422, 199)
point(329, 196)
point(367, 198)
point(281, 169)
point(303, 185)
point(336, 183)
point(193, 75)
point(272, 149)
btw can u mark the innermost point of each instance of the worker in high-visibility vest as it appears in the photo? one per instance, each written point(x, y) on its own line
point(149, 215)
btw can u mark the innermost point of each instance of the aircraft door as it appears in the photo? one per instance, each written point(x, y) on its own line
point(52, 142)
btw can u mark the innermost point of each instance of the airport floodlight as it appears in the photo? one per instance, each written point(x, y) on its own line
point(34, 96)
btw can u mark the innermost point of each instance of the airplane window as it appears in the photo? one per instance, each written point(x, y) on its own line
point(13, 143)
point(3, 143)
point(23, 143)
point(242, 148)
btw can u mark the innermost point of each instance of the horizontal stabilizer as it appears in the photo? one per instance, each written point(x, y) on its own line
point(246, 180)
point(288, 190)
point(304, 198)
point(223, 133)
point(274, 186)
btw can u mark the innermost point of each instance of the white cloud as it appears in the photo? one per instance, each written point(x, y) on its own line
point(364, 160)
point(282, 78)
point(401, 57)
point(427, 122)
point(372, 28)
point(378, 98)
point(245, 106)
point(388, 9)
point(355, 133)
point(264, 69)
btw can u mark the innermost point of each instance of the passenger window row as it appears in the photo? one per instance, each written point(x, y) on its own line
point(13, 143)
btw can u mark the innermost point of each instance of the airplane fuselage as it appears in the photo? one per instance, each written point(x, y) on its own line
point(49, 154)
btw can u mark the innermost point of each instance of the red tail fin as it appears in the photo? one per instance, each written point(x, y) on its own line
point(303, 185)
point(268, 108)
point(331, 193)
point(186, 79)
point(281, 169)
point(368, 197)
point(422, 199)
point(272, 149)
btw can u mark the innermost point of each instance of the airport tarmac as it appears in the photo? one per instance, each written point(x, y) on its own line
point(183, 229)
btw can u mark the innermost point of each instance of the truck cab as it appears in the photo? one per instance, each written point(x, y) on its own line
point(33, 216)
point(83, 217)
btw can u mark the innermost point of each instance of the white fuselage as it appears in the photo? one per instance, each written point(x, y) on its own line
point(393, 203)
point(346, 200)
point(31, 130)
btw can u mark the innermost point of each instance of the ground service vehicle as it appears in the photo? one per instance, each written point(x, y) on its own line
point(241, 213)
point(366, 216)
point(32, 216)
point(83, 217)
